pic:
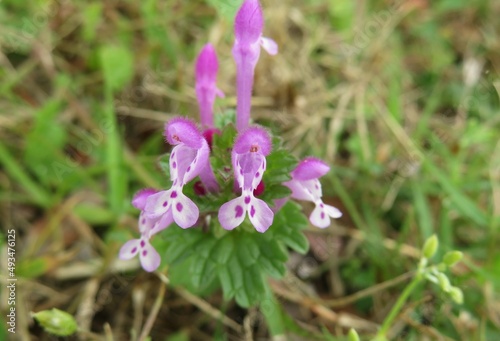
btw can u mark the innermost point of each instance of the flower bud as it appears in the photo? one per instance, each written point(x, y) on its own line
point(452, 257)
point(56, 322)
point(353, 335)
point(456, 295)
point(430, 246)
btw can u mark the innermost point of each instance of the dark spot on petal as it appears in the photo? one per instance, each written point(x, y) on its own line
point(179, 207)
point(134, 250)
point(321, 205)
point(247, 199)
point(173, 194)
point(322, 215)
point(143, 221)
point(144, 253)
point(174, 165)
point(173, 154)
point(252, 211)
point(257, 174)
point(142, 243)
point(165, 203)
point(239, 211)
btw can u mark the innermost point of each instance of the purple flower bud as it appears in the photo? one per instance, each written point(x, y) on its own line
point(248, 27)
point(306, 186)
point(249, 163)
point(249, 22)
point(206, 88)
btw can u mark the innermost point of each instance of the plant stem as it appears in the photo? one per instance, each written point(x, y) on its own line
point(382, 333)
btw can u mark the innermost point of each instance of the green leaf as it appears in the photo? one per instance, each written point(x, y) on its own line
point(117, 64)
point(288, 225)
point(41, 152)
point(92, 14)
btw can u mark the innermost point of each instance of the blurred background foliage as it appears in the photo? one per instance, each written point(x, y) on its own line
point(401, 98)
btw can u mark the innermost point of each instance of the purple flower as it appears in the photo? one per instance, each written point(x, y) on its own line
point(206, 88)
point(248, 26)
point(306, 186)
point(188, 159)
point(149, 257)
point(249, 163)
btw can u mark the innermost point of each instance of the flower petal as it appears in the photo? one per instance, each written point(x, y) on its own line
point(299, 192)
point(207, 65)
point(319, 217)
point(157, 204)
point(254, 139)
point(150, 259)
point(269, 45)
point(165, 221)
point(310, 168)
point(181, 130)
point(129, 249)
point(249, 22)
point(232, 213)
point(139, 200)
point(184, 210)
point(181, 159)
point(261, 216)
point(333, 211)
point(145, 223)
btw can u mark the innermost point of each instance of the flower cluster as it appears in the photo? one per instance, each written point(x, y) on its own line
point(189, 157)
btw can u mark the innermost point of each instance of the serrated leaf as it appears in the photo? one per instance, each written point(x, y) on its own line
point(288, 225)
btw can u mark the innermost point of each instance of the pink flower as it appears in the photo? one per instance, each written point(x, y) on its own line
point(306, 186)
point(249, 163)
point(148, 256)
point(187, 160)
point(206, 88)
point(248, 26)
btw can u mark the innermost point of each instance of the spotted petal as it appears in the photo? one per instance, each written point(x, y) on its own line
point(184, 210)
point(261, 216)
point(149, 257)
point(158, 204)
point(232, 213)
point(320, 216)
point(129, 249)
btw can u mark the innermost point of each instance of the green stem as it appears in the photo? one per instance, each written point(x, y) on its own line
point(39, 195)
point(382, 333)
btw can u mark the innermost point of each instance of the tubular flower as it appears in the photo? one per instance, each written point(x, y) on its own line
point(249, 163)
point(187, 160)
point(248, 27)
point(306, 186)
point(148, 256)
point(206, 88)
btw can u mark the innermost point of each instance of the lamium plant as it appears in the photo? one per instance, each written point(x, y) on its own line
point(227, 219)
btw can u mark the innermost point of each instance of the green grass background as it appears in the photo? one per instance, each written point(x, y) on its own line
point(402, 99)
